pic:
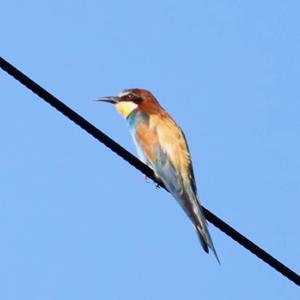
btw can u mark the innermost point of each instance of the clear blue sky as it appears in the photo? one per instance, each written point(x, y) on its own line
point(77, 222)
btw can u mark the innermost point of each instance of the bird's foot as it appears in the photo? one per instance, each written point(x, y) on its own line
point(157, 185)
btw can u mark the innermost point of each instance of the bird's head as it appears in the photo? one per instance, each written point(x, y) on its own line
point(131, 99)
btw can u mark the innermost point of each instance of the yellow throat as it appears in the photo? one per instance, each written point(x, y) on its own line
point(126, 107)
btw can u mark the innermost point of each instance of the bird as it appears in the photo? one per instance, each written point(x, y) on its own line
point(161, 144)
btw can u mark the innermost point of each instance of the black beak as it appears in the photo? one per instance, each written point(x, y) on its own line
point(113, 99)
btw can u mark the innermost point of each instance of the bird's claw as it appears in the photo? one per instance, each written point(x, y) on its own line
point(157, 185)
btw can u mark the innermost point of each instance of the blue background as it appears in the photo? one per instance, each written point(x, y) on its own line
point(76, 221)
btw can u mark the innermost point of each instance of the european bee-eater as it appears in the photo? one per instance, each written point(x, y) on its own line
point(161, 145)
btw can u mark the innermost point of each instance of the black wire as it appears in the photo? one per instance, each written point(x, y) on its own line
point(107, 141)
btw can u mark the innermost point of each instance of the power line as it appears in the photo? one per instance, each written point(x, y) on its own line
point(119, 150)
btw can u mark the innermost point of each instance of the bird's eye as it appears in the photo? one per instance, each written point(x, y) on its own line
point(129, 97)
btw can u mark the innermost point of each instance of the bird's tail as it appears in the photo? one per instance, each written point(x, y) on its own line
point(190, 203)
point(204, 236)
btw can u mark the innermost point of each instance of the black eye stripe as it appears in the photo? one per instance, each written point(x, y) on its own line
point(137, 100)
point(133, 98)
point(128, 97)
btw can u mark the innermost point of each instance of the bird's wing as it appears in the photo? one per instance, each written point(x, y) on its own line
point(164, 145)
point(175, 164)
point(176, 170)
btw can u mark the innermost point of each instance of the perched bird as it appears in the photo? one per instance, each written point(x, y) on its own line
point(161, 145)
